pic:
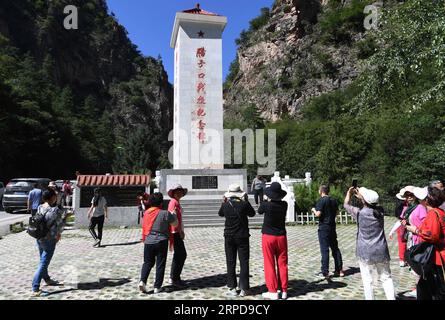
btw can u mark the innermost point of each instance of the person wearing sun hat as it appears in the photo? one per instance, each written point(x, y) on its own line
point(414, 215)
point(372, 249)
point(274, 242)
point(432, 230)
point(236, 209)
point(417, 215)
point(400, 207)
point(177, 235)
point(407, 196)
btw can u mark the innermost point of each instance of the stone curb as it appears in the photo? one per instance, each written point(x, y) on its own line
point(6, 227)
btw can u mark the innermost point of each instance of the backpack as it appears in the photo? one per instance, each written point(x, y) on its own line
point(38, 227)
point(421, 258)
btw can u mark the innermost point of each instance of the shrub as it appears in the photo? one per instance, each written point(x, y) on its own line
point(260, 21)
point(366, 47)
point(233, 73)
point(307, 196)
point(338, 21)
point(255, 25)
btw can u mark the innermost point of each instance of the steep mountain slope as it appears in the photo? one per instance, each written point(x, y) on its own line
point(347, 102)
point(77, 99)
point(286, 58)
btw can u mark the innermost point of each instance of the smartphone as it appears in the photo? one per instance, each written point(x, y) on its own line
point(355, 183)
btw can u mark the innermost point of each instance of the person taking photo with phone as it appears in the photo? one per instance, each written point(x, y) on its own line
point(371, 247)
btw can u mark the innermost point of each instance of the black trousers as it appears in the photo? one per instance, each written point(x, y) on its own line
point(240, 246)
point(428, 288)
point(99, 222)
point(179, 257)
point(327, 236)
point(155, 253)
point(258, 194)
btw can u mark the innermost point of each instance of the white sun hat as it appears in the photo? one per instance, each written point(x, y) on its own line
point(421, 193)
point(235, 191)
point(370, 196)
point(401, 194)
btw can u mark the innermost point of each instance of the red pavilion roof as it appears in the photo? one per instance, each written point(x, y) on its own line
point(198, 10)
point(110, 180)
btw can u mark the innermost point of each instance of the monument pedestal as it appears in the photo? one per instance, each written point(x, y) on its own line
point(202, 184)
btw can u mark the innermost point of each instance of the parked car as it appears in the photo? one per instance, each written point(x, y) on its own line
point(2, 190)
point(17, 190)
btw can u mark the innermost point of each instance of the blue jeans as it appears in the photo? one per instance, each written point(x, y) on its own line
point(46, 251)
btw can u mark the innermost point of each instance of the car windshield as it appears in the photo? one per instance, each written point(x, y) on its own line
point(22, 184)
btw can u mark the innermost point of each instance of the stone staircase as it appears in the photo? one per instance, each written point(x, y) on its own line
point(204, 213)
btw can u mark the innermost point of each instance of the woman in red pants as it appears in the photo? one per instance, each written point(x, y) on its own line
point(275, 242)
point(400, 212)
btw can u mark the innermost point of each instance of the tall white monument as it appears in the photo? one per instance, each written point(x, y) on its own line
point(198, 106)
point(198, 135)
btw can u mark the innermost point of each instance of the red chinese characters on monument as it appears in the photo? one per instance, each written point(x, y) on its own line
point(200, 88)
point(200, 110)
point(201, 53)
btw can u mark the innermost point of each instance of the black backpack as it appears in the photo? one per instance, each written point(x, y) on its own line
point(421, 258)
point(38, 227)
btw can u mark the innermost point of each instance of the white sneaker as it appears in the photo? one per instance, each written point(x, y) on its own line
point(412, 294)
point(142, 287)
point(244, 293)
point(158, 290)
point(284, 296)
point(402, 264)
point(270, 295)
point(232, 293)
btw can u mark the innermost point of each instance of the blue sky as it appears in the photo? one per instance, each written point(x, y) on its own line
point(149, 23)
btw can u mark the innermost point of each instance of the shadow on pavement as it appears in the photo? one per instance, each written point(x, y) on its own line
point(216, 281)
point(401, 296)
point(86, 286)
point(301, 287)
point(351, 271)
point(120, 244)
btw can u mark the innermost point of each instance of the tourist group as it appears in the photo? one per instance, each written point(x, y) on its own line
point(420, 231)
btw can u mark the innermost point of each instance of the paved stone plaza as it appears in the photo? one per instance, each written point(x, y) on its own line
point(112, 272)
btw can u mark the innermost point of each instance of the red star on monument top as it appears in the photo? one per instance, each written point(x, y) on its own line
point(201, 34)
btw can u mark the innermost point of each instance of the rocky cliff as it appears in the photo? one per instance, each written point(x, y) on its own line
point(80, 99)
point(288, 57)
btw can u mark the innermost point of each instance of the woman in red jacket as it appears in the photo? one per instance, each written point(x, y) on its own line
point(177, 236)
point(432, 231)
